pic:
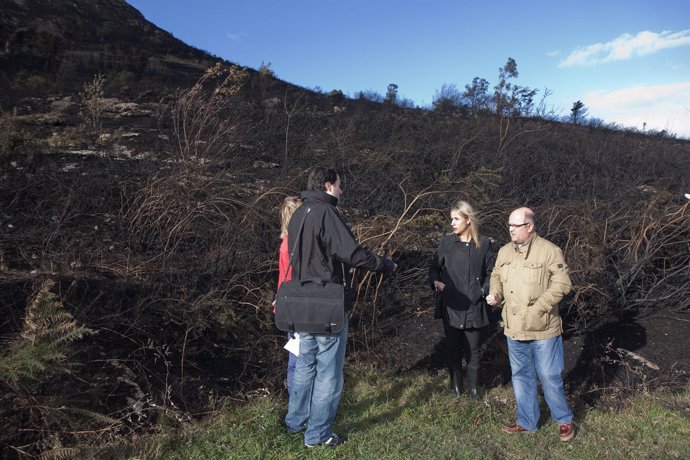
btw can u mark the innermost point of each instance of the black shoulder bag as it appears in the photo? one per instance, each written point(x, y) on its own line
point(310, 305)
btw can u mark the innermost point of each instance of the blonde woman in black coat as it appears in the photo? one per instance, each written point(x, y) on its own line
point(460, 274)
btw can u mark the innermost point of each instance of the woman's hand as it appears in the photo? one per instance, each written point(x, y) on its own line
point(439, 286)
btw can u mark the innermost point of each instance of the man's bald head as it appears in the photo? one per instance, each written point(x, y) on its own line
point(521, 225)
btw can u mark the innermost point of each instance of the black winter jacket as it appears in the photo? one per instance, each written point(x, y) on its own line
point(326, 241)
point(466, 272)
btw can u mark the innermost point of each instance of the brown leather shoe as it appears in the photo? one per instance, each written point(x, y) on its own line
point(514, 428)
point(566, 431)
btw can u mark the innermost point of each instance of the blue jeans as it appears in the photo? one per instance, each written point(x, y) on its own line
point(317, 385)
point(543, 358)
point(292, 363)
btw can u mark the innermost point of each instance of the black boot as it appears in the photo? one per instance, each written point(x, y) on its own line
point(456, 379)
point(473, 390)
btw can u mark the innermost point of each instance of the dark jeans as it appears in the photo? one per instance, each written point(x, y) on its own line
point(462, 341)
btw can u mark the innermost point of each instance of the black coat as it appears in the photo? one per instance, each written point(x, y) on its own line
point(466, 272)
point(326, 241)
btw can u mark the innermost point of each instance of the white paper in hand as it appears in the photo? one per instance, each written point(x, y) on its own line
point(292, 345)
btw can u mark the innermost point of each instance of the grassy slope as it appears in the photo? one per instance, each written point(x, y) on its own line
point(415, 416)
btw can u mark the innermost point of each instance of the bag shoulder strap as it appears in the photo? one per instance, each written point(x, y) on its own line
point(294, 246)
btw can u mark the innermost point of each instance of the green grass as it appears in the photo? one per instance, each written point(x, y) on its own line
point(415, 416)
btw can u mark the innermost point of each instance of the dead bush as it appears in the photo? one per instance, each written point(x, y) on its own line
point(651, 257)
point(201, 118)
point(93, 106)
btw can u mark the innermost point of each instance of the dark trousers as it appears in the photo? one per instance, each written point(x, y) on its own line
point(462, 341)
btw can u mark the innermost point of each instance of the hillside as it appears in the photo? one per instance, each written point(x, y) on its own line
point(151, 220)
point(55, 46)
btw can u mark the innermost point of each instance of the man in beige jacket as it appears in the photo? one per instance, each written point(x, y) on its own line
point(530, 278)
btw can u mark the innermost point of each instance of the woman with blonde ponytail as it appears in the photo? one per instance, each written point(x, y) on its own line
point(290, 204)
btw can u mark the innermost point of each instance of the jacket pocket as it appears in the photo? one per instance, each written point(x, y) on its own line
point(536, 320)
point(533, 272)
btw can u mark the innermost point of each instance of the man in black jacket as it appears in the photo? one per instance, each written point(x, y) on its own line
point(326, 243)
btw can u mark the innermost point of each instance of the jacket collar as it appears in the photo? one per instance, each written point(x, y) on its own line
point(319, 196)
point(528, 245)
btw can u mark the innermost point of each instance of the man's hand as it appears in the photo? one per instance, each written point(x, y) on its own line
point(395, 266)
point(439, 286)
point(493, 299)
point(390, 266)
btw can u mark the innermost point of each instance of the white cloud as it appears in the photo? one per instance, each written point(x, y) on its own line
point(235, 37)
point(625, 47)
point(660, 107)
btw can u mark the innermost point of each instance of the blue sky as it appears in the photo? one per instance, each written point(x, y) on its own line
point(628, 61)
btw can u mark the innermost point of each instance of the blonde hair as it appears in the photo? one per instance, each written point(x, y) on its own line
point(468, 212)
point(290, 203)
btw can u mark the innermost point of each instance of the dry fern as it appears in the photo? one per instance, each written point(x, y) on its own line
point(42, 345)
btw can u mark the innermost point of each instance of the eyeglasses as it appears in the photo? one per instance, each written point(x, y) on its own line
point(518, 225)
